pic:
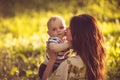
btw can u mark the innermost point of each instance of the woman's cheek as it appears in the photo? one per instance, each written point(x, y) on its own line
point(68, 34)
point(70, 38)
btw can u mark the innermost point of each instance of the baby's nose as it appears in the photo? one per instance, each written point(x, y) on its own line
point(58, 29)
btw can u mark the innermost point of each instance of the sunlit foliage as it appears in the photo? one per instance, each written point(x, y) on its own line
point(23, 33)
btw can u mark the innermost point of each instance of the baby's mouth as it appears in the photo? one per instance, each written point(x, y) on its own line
point(59, 34)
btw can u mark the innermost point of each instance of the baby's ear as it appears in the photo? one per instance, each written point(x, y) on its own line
point(48, 32)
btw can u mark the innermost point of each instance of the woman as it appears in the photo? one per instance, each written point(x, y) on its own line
point(87, 42)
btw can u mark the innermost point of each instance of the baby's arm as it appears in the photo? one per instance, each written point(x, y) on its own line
point(59, 47)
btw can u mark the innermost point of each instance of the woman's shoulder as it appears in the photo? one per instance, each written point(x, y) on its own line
point(75, 60)
point(69, 69)
point(76, 67)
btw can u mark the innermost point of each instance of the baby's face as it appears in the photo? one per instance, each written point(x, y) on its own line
point(56, 29)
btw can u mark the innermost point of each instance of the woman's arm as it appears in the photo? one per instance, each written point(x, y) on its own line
point(50, 64)
point(48, 69)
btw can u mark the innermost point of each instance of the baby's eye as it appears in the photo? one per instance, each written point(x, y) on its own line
point(61, 27)
point(53, 29)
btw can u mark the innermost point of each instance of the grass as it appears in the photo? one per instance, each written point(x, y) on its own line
point(23, 43)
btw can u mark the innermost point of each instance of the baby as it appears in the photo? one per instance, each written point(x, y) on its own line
point(57, 43)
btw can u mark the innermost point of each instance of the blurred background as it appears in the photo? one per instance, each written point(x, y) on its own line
point(23, 33)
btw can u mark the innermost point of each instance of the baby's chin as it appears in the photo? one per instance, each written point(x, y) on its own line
point(60, 36)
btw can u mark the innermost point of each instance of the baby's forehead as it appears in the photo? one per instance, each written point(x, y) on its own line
point(56, 19)
point(56, 23)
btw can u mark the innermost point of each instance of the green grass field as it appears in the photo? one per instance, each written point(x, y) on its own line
point(23, 43)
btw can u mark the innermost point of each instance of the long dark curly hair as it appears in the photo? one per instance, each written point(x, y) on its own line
point(87, 42)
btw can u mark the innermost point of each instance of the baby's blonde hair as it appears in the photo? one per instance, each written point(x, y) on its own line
point(53, 18)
